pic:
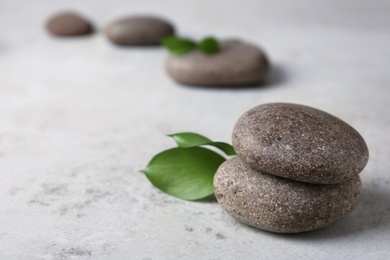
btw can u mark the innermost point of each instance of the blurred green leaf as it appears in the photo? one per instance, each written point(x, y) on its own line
point(178, 46)
point(209, 45)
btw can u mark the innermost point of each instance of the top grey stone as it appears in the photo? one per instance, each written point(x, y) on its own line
point(139, 30)
point(300, 143)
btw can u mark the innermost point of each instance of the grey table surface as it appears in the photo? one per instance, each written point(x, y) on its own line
point(80, 117)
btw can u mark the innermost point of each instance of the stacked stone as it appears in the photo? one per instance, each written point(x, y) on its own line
point(296, 170)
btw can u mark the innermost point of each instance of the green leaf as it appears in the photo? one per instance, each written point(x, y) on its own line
point(188, 139)
point(185, 173)
point(209, 45)
point(224, 147)
point(178, 46)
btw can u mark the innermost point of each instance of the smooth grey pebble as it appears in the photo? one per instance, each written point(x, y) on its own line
point(139, 31)
point(281, 205)
point(237, 64)
point(299, 143)
point(69, 24)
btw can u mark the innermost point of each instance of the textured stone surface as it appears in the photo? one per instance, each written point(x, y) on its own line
point(69, 24)
point(79, 118)
point(237, 64)
point(300, 143)
point(139, 30)
point(280, 205)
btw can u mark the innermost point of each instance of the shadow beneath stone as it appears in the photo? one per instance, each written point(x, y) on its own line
point(222, 87)
point(277, 75)
point(73, 37)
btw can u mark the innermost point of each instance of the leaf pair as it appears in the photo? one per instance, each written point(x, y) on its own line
point(187, 171)
point(180, 46)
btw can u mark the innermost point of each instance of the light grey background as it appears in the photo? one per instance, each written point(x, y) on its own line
point(79, 117)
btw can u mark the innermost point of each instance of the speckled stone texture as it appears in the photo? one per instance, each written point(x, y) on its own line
point(69, 24)
point(237, 64)
point(139, 30)
point(280, 205)
point(300, 143)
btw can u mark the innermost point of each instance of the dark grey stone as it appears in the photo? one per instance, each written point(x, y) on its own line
point(280, 205)
point(139, 30)
point(69, 24)
point(300, 143)
point(237, 64)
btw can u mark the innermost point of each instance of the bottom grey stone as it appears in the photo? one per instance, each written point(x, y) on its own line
point(281, 205)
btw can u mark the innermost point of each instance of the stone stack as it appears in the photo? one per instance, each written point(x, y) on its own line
point(296, 170)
